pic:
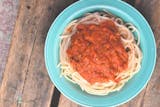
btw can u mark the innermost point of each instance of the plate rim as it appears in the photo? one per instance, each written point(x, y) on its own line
point(139, 90)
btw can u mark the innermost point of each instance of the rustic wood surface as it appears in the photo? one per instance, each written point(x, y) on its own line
point(25, 80)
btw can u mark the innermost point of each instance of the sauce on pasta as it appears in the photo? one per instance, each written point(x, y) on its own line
point(97, 53)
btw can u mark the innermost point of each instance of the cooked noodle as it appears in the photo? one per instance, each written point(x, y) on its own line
point(126, 31)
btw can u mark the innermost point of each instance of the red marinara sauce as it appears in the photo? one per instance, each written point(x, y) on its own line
point(97, 53)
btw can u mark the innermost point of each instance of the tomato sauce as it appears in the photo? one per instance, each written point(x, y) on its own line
point(97, 53)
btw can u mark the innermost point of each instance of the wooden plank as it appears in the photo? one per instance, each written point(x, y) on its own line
point(20, 78)
point(65, 102)
point(18, 60)
point(38, 88)
point(25, 81)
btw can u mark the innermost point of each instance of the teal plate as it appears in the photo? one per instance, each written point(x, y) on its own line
point(134, 85)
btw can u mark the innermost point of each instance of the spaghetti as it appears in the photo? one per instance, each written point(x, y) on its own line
point(130, 44)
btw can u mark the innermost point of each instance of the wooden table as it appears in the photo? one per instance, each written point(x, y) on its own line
point(25, 80)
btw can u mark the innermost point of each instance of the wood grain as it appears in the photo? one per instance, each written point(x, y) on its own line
point(65, 102)
point(38, 88)
point(25, 81)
